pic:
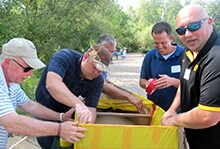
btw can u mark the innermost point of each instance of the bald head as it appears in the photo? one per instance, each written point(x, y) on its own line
point(191, 12)
point(194, 39)
point(193, 7)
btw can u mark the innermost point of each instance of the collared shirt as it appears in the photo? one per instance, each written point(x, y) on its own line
point(66, 63)
point(10, 96)
point(104, 75)
point(153, 65)
point(200, 81)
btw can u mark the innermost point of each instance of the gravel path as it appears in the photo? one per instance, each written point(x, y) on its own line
point(126, 73)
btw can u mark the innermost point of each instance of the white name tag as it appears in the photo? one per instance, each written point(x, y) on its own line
point(175, 69)
point(187, 74)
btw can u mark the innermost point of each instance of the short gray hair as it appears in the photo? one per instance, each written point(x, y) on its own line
point(106, 38)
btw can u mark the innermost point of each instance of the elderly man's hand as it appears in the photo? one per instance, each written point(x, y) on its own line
point(84, 115)
point(71, 133)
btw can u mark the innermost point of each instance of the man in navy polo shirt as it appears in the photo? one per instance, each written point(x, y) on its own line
point(69, 78)
point(162, 63)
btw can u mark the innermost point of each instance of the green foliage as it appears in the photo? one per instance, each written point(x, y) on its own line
point(214, 12)
point(52, 25)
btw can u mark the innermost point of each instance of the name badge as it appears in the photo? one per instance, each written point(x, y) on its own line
point(175, 69)
point(187, 74)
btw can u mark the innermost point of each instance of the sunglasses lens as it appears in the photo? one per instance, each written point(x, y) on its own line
point(193, 27)
point(181, 31)
point(27, 69)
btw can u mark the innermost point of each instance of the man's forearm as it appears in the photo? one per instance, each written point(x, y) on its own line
point(196, 119)
point(40, 111)
point(176, 82)
point(176, 102)
point(115, 92)
point(27, 126)
point(59, 91)
point(142, 83)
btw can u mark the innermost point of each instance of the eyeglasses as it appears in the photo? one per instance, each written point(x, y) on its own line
point(192, 27)
point(26, 69)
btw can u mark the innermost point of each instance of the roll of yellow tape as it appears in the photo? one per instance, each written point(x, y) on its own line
point(64, 143)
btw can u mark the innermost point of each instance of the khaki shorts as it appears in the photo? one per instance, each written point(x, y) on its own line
point(183, 144)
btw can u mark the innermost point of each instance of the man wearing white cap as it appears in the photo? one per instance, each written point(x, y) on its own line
point(69, 78)
point(18, 59)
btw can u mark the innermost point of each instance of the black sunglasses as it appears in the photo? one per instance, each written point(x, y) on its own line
point(26, 69)
point(192, 27)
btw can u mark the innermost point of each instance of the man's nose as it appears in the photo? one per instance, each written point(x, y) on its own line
point(30, 73)
point(188, 33)
point(160, 46)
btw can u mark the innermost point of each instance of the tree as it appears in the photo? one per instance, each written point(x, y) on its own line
point(214, 12)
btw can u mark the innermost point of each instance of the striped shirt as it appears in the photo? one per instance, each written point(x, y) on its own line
point(11, 95)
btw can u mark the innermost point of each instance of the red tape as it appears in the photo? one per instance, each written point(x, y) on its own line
point(152, 114)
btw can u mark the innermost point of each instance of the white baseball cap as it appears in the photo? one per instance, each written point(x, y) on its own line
point(20, 47)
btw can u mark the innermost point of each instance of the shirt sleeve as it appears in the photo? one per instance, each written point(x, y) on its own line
point(6, 105)
point(20, 96)
point(145, 68)
point(58, 66)
point(210, 80)
point(93, 96)
point(104, 76)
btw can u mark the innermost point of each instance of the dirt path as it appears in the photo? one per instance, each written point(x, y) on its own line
point(126, 73)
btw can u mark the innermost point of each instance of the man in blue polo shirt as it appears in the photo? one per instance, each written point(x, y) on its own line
point(69, 78)
point(162, 63)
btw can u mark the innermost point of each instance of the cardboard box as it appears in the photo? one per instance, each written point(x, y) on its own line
point(134, 118)
point(146, 133)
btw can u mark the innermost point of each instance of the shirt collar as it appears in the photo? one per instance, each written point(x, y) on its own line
point(207, 47)
point(176, 52)
point(209, 44)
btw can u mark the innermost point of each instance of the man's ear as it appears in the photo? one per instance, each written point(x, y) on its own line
point(172, 38)
point(85, 56)
point(7, 62)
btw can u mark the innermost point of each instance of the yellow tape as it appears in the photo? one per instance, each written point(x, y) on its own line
point(64, 143)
